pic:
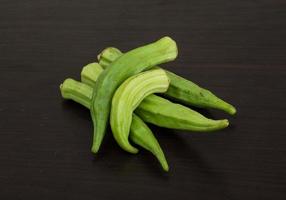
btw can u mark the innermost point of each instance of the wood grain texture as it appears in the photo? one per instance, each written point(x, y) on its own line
point(235, 48)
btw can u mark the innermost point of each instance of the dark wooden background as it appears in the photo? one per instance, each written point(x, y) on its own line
point(235, 48)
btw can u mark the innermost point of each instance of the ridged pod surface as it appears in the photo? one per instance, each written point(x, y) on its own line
point(180, 88)
point(140, 134)
point(80, 93)
point(164, 113)
point(90, 70)
point(129, 64)
point(127, 98)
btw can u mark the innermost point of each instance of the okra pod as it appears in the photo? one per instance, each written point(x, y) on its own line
point(127, 98)
point(162, 112)
point(141, 135)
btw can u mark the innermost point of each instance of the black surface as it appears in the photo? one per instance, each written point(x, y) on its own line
point(235, 48)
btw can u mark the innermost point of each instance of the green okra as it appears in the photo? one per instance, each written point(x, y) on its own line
point(180, 88)
point(92, 69)
point(108, 55)
point(127, 98)
point(164, 113)
point(140, 134)
point(80, 93)
point(127, 65)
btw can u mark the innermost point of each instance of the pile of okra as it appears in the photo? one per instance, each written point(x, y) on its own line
point(129, 90)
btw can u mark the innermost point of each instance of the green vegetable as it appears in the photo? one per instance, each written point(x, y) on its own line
point(164, 113)
point(180, 89)
point(80, 93)
point(143, 136)
point(108, 55)
point(92, 69)
point(139, 131)
point(129, 64)
point(122, 91)
point(127, 98)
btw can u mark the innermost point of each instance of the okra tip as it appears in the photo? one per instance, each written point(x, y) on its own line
point(97, 140)
point(224, 106)
point(219, 124)
point(96, 145)
point(232, 110)
point(165, 167)
point(164, 163)
point(228, 108)
point(129, 148)
point(94, 149)
point(224, 123)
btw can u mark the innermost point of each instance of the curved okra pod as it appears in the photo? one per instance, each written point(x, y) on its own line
point(126, 99)
point(190, 93)
point(143, 136)
point(180, 88)
point(162, 112)
point(140, 134)
point(127, 65)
